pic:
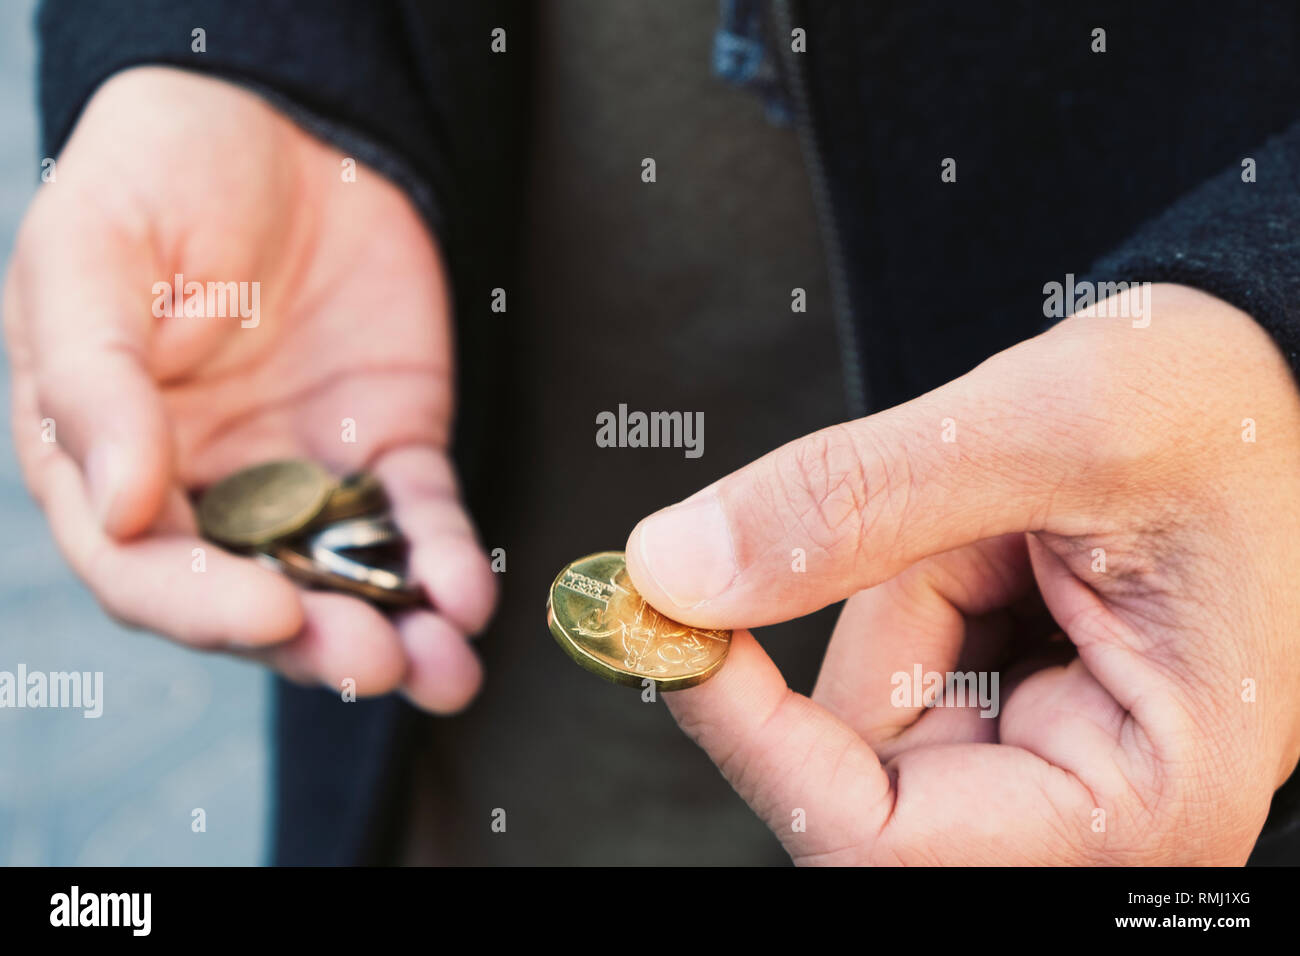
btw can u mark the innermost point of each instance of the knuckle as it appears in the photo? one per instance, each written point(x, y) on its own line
point(1180, 800)
point(824, 483)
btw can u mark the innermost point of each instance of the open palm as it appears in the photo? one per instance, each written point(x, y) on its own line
point(347, 360)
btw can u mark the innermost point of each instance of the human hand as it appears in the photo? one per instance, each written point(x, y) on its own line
point(1099, 472)
point(171, 173)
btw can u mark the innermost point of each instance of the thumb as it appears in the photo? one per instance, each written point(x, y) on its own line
point(88, 326)
point(851, 505)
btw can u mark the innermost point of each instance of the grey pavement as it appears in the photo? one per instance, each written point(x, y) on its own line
point(180, 731)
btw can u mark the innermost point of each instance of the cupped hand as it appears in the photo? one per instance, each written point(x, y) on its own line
point(119, 414)
point(1105, 518)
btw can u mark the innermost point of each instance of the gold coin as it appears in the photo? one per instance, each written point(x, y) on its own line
point(603, 623)
point(264, 503)
point(357, 494)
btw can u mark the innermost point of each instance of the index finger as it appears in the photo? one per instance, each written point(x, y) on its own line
point(813, 780)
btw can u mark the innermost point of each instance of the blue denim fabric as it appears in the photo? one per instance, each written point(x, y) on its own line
point(742, 58)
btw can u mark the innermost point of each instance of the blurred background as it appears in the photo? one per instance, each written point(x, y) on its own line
point(179, 730)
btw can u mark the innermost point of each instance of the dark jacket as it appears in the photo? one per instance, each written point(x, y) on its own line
point(1122, 165)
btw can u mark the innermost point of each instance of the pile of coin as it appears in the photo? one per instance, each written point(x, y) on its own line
point(321, 532)
point(602, 622)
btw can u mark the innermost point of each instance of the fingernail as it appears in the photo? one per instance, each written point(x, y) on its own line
point(688, 550)
point(102, 473)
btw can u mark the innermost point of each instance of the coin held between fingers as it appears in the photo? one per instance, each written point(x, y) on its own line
point(600, 620)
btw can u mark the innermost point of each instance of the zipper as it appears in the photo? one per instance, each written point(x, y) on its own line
point(855, 385)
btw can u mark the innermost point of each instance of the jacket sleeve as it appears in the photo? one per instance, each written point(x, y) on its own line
point(403, 86)
point(1236, 239)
